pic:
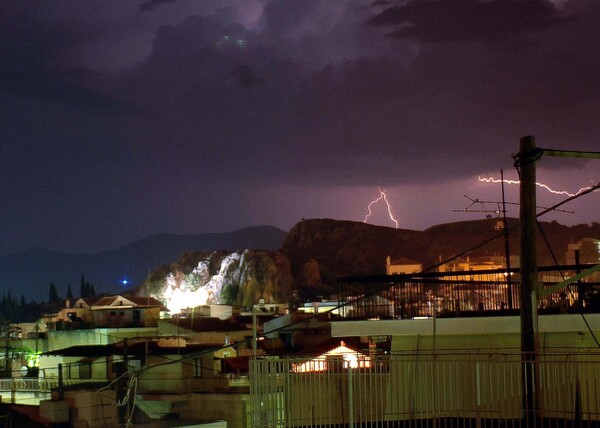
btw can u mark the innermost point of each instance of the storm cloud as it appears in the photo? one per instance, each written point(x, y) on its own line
point(193, 104)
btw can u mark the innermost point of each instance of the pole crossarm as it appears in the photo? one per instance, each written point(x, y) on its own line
point(545, 292)
point(570, 154)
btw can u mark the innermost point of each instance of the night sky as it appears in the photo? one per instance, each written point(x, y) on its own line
point(122, 119)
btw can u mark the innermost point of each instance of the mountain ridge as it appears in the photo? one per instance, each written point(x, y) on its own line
point(318, 251)
point(31, 271)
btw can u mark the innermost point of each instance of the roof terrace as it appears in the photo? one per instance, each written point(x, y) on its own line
point(492, 292)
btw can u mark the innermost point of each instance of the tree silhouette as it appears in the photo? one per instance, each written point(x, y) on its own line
point(52, 294)
point(86, 288)
point(82, 290)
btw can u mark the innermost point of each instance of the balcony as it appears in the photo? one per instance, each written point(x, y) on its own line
point(426, 390)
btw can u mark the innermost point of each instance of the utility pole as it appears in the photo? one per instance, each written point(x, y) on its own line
point(580, 290)
point(528, 270)
point(121, 389)
point(505, 230)
point(525, 162)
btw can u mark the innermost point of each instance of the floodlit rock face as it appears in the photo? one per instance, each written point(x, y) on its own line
point(219, 277)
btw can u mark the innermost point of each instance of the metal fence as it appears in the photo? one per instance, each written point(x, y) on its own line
point(27, 384)
point(470, 391)
point(41, 384)
point(464, 293)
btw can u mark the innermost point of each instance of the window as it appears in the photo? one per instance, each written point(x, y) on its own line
point(85, 370)
point(198, 367)
point(118, 368)
point(80, 370)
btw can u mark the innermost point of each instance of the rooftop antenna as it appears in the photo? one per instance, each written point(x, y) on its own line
point(479, 206)
point(501, 206)
point(482, 207)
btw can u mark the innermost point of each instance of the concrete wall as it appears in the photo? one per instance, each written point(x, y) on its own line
point(232, 408)
point(62, 339)
point(167, 377)
point(206, 337)
point(92, 409)
point(89, 368)
point(49, 366)
point(565, 331)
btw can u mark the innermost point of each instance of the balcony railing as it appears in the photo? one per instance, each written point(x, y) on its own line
point(40, 384)
point(465, 293)
point(474, 391)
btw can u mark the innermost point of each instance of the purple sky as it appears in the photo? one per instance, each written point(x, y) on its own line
point(121, 119)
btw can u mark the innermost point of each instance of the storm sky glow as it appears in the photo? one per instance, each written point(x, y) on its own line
point(125, 119)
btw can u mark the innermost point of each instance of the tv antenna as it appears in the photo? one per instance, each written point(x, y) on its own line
point(501, 206)
point(483, 208)
point(479, 206)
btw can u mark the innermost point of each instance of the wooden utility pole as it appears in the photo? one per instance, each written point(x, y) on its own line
point(528, 270)
point(525, 162)
point(505, 231)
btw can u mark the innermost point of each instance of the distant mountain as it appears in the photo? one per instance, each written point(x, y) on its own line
point(317, 252)
point(30, 273)
point(322, 250)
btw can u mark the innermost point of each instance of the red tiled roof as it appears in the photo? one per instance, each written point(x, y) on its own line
point(144, 301)
point(136, 300)
point(327, 345)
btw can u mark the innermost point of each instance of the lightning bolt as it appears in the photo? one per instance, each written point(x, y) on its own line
point(382, 197)
point(542, 185)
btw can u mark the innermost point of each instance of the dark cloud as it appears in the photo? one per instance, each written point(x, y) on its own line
point(467, 20)
point(150, 5)
point(39, 61)
point(246, 77)
point(57, 86)
point(319, 33)
point(306, 95)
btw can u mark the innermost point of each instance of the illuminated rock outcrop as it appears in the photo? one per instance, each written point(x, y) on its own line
point(241, 278)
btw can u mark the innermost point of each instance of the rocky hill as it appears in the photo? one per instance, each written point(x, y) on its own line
point(222, 277)
point(317, 252)
point(343, 248)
